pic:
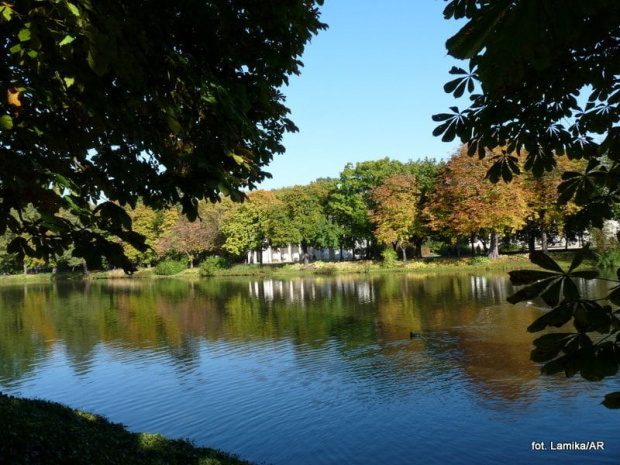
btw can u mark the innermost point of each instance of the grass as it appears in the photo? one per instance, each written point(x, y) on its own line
point(37, 431)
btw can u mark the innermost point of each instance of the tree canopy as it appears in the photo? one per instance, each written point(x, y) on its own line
point(103, 104)
point(542, 76)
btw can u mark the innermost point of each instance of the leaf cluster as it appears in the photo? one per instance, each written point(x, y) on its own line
point(105, 103)
point(594, 357)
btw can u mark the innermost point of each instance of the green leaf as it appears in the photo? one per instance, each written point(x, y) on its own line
point(551, 296)
point(578, 258)
point(6, 122)
point(589, 274)
point(24, 35)
point(599, 363)
point(114, 214)
point(591, 316)
point(545, 261)
point(69, 81)
point(571, 293)
point(530, 292)
point(6, 12)
point(174, 125)
point(554, 366)
point(614, 296)
point(557, 317)
point(549, 346)
point(73, 9)
point(521, 277)
point(612, 400)
point(237, 158)
point(67, 40)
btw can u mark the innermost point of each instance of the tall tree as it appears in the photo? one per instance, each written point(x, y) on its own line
point(395, 211)
point(350, 201)
point(468, 204)
point(170, 102)
point(308, 212)
point(258, 223)
point(152, 224)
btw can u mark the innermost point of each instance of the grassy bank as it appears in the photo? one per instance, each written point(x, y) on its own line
point(433, 265)
point(36, 431)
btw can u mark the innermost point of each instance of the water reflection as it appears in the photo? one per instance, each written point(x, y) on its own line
point(323, 344)
point(464, 322)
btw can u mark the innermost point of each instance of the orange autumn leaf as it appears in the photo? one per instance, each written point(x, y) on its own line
point(12, 96)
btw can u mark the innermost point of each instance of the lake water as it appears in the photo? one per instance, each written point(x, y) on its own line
point(307, 371)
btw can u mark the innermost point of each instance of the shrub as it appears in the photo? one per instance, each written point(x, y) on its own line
point(479, 260)
point(211, 264)
point(170, 267)
point(390, 257)
point(608, 258)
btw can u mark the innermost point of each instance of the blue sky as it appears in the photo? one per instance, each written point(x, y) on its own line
point(370, 84)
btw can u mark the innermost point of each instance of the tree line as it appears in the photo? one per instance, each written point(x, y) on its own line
point(370, 207)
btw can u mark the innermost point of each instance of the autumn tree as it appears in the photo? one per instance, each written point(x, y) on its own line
point(547, 213)
point(395, 211)
point(105, 103)
point(468, 204)
point(194, 238)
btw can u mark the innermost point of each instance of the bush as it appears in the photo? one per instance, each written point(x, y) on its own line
point(211, 264)
point(479, 261)
point(608, 258)
point(170, 267)
point(390, 257)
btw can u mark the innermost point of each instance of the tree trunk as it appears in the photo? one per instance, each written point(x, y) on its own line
point(25, 269)
point(473, 249)
point(404, 250)
point(417, 250)
point(494, 246)
point(341, 253)
point(543, 240)
point(85, 267)
point(531, 242)
point(259, 255)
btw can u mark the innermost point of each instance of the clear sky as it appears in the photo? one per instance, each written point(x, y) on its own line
point(369, 86)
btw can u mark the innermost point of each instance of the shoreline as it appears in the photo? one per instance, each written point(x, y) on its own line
point(318, 268)
point(43, 431)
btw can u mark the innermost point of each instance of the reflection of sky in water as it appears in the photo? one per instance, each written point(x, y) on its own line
point(311, 371)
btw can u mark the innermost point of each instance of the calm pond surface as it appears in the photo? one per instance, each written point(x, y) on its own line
point(307, 371)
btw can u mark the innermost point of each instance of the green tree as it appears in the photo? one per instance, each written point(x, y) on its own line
point(307, 211)
point(258, 223)
point(153, 225)
point(351, 203)
point(529, 61)
point(103, 103)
